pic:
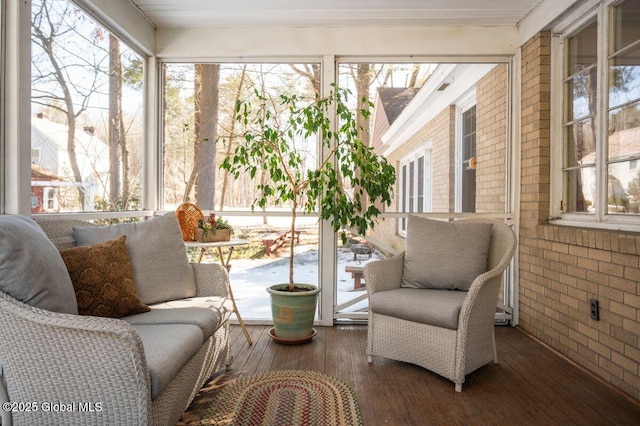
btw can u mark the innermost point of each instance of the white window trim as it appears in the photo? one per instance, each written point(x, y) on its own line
point(600, 219)
point(424, 151)
point(463, 104)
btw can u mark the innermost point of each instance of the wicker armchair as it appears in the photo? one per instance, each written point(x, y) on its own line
point(451, 353)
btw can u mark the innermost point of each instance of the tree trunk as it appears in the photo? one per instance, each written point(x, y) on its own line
point(207, 77)
point(232, 136)
point(414, 75)
point(363, 83)
point(115, 121)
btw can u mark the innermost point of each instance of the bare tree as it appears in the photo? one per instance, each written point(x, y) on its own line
point(117, 149)
point(312, 73)
point(56, 88)
point(76, 66)
point(231, 138)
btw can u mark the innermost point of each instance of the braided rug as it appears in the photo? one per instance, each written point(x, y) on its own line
point(284, 398)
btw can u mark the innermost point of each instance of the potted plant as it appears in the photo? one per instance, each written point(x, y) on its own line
point(212, 230)
point(272, 142)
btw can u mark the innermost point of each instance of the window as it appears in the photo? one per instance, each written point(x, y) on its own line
point(87, 101)
point(35, 156)
point(600, 129)
point(51, 199)
point(466, 121)
point(201, 130)
point(415, 185)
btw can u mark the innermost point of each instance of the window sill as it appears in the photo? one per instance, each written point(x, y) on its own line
point(591, 235)
point(618, 226)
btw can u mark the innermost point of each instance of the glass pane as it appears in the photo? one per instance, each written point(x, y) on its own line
point(581, 93)
point(623, 187)
point(580, 145)
point(420, 184)
point(582, 49)
point(405, 188)
point(624, 132)
point(398, 133)
point(580, 188)
point(87, 124)
point(412, 178)
point(201, 130)
point(624, 22)
point(624, 78)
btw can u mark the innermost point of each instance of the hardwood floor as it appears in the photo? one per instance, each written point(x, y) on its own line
point(530, 385)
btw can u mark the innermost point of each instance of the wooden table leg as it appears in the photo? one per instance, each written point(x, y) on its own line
point(226, 263)
point(235, 310)
point(357, 280)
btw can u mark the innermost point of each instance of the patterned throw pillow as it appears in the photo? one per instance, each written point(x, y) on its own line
point(102, 277)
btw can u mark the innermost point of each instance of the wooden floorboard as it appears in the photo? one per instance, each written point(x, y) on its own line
point(530, 385)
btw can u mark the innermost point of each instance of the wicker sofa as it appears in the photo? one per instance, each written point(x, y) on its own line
point(146, 368)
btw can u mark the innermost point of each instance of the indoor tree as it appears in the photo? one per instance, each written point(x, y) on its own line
point(345, 185)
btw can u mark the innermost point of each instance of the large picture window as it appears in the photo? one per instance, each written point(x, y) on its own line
point(601, 117)
point(87, 105)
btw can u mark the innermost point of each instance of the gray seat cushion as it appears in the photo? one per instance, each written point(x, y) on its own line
point(220, 306)
point(161, 268)
point(440, 308)
point(208, 313)
point(31, 269)
point(445, 255)
point(167, 348)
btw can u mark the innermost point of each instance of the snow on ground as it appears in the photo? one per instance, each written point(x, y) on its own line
point(250, 279)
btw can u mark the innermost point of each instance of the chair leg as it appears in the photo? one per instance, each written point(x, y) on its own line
point(458, 387)
point(369, 359)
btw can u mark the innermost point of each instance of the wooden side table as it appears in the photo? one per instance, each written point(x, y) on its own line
point(224, 261)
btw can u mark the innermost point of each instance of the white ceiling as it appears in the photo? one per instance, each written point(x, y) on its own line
point(333, 13)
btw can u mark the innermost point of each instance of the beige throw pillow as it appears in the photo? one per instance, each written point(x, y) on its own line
point(445, 255)
point(159, 259)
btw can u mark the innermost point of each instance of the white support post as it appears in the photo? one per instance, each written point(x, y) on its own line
point(328, 245)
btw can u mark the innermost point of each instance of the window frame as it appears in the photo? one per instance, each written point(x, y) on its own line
point(600, 218)
point(424, 152)
point(462, 105)
point(145, 56)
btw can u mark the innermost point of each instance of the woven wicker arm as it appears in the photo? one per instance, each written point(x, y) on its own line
point(71, 359)
point(212, 279)
point(475, 344)
point(385, 274)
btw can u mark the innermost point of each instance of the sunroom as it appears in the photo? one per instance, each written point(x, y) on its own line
point(522, 111)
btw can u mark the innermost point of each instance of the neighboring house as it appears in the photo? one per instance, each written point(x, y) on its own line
point(52, 180)
point(448, 142)
point(44, 191)
point(389, 102)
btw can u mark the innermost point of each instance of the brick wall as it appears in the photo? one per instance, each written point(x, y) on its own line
point(562, 268)
point(440, 131)
point(491, 136)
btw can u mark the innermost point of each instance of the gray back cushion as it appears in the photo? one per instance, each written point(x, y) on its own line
point(31, 268)
point(444, 255)
point(161, 269)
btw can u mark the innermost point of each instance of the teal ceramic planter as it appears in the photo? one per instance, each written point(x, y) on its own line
point(293, 312)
